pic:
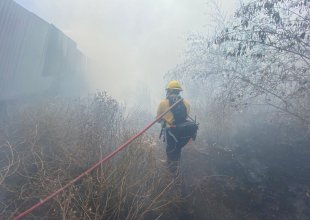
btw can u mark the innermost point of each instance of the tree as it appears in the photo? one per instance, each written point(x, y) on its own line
point(262, 56)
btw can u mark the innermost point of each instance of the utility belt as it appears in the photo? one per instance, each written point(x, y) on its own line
point(185, 130)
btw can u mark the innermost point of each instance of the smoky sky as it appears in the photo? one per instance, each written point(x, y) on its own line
point(131, 44)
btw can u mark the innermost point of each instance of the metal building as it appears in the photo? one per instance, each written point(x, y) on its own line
point(36, 58)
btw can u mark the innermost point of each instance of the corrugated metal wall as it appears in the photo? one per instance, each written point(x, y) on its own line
point(35, 56)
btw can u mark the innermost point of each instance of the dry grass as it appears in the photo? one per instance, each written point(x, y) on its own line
point(45, 145)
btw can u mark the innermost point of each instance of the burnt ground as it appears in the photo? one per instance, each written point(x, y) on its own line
point(252, 180)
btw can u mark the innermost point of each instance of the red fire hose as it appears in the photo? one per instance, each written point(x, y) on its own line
point(102, 160)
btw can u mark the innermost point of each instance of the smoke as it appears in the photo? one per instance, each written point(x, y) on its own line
point(129, 42)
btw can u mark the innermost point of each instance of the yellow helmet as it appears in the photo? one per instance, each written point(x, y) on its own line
point(174, 85)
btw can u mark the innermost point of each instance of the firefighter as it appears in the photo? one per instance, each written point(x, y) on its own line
point(177, 129)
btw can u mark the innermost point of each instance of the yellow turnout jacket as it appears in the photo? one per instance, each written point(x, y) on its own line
point(168, 118)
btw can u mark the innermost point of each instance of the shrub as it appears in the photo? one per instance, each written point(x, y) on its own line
point(44, 145)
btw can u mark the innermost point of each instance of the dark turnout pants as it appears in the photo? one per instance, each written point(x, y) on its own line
point(174, 145)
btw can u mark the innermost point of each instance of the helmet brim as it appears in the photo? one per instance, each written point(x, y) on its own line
point(174, 89)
